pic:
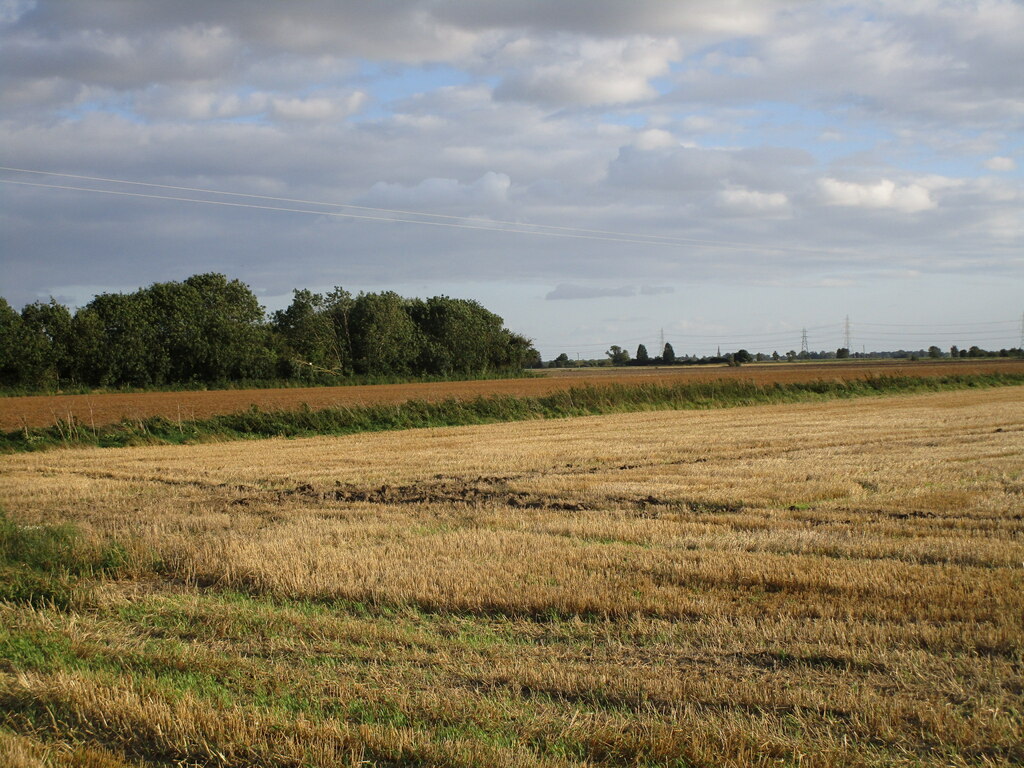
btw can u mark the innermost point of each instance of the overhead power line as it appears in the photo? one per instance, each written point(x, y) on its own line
point(938, 325)
point(435, 219)
point(339, 214)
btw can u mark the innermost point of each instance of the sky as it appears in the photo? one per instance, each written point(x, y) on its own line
point(714, 173)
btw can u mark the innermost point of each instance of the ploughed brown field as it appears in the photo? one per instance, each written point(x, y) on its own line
point(100, 409)
point(818, 585)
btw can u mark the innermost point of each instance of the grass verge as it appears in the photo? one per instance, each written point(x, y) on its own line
point(578, 401)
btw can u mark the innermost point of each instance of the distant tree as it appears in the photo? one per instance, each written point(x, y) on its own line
point(562, 361)
point(954, 352)
point(934, 352)
point(791, 355)
point(842, 353)
point(642, 358)
point(617, 355)
point(975, 352)
point(742, 356)
point(775, 356)
point(668, 355)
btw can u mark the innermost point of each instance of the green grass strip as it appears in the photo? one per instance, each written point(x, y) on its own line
point(578, 401)
point(42, 565)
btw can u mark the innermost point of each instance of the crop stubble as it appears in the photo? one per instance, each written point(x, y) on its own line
point(99, 409)
point(818, 584)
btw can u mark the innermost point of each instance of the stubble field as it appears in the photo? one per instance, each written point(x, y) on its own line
point(821, 584)
point(98, 409)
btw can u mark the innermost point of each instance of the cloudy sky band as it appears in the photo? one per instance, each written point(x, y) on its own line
point(869, 153)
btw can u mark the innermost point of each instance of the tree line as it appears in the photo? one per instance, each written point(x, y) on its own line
point(619, 356)
point(209, 329)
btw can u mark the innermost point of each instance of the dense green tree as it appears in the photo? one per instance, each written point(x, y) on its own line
point(310, 336)
point(210, 329)
point(338, 306)
point(668, 355)
point(385, 340)
point(642, 358)
point(532, 358)
point(88, 347)
point(512, 352)
point(10, 345)
point(934, 352)
point(742, 356)
point(460, 336)
point(130, 353)
point(231, 322)
point(842, 353)
point(43, 341)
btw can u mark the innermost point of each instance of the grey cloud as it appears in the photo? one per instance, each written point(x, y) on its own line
point(697, 169)
point(612, 18)
point(656, 290)
point(572, 291)
point(247, 112)
point(936, 62)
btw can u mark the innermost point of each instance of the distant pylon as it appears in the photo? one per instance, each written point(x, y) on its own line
point(1021, 345)
point(662, 338)
point(803, 341)
point(846, 334)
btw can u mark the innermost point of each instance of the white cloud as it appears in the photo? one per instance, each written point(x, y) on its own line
point(592, 72)
point(318, 107)
point(751, 201)
point(1000, 164)
point(909, 198)
point(655, 138)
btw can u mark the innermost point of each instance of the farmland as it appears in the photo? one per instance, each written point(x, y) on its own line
point(819, 584)
point(104, 408)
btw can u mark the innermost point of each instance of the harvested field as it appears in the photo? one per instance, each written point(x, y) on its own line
point(100, 409)
point(820, 584)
